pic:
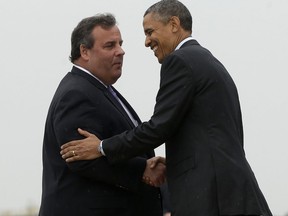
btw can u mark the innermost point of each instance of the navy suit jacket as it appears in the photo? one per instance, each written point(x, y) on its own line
point(91, 187)
point(197, 114)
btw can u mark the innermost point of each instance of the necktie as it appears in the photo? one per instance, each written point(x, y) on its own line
point(114, 94)
point(122, 105)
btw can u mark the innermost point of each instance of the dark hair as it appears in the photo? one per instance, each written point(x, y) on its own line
point(81, 35)
point(165, 9)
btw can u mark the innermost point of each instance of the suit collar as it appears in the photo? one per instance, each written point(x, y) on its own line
point(184, 41)
point(91, 79)
point(110, 97)
point(189, 43)
point(88, 72)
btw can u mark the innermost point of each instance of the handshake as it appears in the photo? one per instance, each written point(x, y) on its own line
point(155, 171)
point(87, 149)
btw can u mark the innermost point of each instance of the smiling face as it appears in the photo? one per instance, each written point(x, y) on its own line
point(160, 37)
point(105, 58)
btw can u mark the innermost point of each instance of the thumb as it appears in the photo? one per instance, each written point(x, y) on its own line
point(153, 162)
point(84, 133)
point(162, 160)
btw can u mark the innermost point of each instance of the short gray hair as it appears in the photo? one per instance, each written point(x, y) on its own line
point(165, 9)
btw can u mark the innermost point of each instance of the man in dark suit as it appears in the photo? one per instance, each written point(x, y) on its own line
point(84, 99)
point(197, 114)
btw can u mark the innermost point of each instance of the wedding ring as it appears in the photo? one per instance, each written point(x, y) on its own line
point(73, 153)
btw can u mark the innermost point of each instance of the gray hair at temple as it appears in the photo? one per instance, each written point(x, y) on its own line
point(82, 34)
point(165, 9)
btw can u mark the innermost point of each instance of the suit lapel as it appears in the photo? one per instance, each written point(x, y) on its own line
point(109, 96)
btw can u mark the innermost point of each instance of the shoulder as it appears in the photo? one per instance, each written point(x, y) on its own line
point(74, 88)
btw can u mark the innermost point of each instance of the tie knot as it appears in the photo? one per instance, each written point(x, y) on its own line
point(112, 91)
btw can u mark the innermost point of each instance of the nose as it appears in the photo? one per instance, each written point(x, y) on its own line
point(120, 51)
point(147, 41)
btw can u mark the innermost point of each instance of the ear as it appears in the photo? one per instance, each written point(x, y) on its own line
point(84, 52)
point(175, 23)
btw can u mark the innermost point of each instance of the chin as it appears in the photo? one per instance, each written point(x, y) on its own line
point(117, 76)
point(160, 60)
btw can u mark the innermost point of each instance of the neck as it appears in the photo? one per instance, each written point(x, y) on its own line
point(181, 36)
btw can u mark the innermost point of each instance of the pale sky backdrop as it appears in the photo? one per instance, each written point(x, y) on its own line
point(248, 36)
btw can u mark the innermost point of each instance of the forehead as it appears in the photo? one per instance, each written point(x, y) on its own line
point(104, 35)
point(150, 22)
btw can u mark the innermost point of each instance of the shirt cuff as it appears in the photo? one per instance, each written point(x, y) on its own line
point(100, 149)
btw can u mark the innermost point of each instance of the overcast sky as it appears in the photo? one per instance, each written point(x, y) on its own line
point(248, 36)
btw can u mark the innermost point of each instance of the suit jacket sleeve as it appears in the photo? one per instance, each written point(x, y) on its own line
point(173, 99)
point(76, 110)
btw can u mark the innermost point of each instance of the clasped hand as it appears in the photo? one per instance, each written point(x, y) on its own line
point(155, 171)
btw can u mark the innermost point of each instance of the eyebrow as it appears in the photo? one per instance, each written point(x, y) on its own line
point(146, 31)
point(113, 42)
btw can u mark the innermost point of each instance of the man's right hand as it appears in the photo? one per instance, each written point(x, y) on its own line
point(155, 171)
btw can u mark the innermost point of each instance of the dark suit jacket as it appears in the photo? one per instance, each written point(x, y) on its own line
point(197, 114)
point(94, 187)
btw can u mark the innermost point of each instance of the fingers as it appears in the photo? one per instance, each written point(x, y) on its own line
point(68, 153)
point(156, 182)
point(152, 163)
point(72, 153)
point(156, 176)
point(70, 156)
point(73, 158)
point(155, 160)
point(65, 152)
point(147, 180)
point(153, 183)
point(161, 160)
point(68, 144)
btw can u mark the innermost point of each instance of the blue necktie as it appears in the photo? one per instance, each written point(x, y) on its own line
point(113, 93)
point(122, 105)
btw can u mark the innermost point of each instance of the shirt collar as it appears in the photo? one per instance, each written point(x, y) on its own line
point(184, 41)
point(88, 72)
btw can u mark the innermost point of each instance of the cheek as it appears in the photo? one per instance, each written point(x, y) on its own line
point(96, 62)
point(167, 46)
point(164, 50)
